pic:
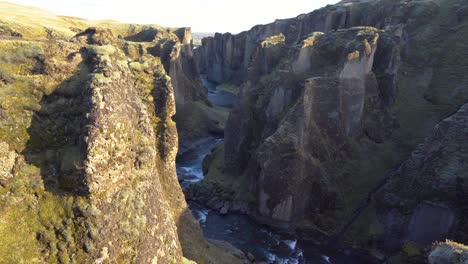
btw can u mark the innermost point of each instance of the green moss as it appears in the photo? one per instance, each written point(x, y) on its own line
point(230, 88)
point(411, 250)
point(6, 77)
point(432, 76)
point(265, 89)
point(18, 224)
point(135, 66)
point(99, 78)
point(37, 226)
point(34, 222)
point(105, 50)
point(187, 261)
point(20, 52)
point(230, 188)
point(202, 118)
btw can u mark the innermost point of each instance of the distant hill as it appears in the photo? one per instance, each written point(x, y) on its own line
point(34, 23)
point(198, 36)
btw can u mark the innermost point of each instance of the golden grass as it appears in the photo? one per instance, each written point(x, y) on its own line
point(36, 23)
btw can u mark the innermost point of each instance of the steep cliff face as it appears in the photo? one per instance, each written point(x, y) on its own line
point(91, 158)
point(326, 109)
point(173, 46)
point(227, 57)
point(426, 198)
point(88, 146)
point(300, 125)
point(194, 111)
point(176, 53)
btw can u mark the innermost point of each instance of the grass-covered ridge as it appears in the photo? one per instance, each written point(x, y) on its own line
point(35, 23)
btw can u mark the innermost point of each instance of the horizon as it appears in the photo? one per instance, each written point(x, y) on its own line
point(202, 16)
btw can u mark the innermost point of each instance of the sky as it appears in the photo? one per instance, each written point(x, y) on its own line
point(202, 15)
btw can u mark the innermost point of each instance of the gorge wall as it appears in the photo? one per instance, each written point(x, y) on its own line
point(332, 101)
point(88, 143)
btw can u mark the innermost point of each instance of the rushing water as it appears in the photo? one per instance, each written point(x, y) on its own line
point(239, 230)
point(189, 164)
point(248, 236)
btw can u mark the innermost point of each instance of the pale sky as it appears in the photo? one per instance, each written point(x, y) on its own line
point(202, 15)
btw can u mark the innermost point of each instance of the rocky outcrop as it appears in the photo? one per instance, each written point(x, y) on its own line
point(448, 252)
point(105, 151)
point(227, 57)
point(185, 76)
point(174, 47)
point(193, 110)
point(306, 124)
point(424, 200)
point(191, 97)
point(87, 151)
point(121, 164)
point(332, 100)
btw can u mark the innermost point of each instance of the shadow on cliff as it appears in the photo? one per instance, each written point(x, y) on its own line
point(56, 136)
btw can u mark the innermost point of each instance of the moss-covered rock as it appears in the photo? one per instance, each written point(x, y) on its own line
point(448, 252)
point(88, 145)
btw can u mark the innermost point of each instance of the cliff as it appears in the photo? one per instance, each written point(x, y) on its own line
point(330, 103)
point(424, 199)
point(227, 57)
point(88, 144)
point(194, 116)
point(303, 115)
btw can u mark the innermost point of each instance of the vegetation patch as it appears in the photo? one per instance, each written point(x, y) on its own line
point(230, 88)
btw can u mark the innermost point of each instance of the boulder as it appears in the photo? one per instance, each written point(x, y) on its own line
point(448, 252)
point(226, 208)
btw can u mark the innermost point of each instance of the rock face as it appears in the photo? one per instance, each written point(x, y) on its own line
point(191, 97)
point(428, 193)
point(125, 163)
point(88, 147)
point(185, 76)
point(227, 57)
point(176, 53)
point(333, 99)
point(304, 125)
point(448, 252)
point(104, 149)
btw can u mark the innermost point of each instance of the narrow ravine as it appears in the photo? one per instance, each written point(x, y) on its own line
point(237, 229)
point(240, 230)
point(265, 244)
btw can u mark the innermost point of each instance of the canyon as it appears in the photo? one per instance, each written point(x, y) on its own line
point(331, 105)
point(337, 136)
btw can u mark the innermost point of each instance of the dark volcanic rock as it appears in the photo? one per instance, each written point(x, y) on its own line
point(331, 100)
point(430, 222)
point(305, 123)
point(430, 191)
point(227, 57)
